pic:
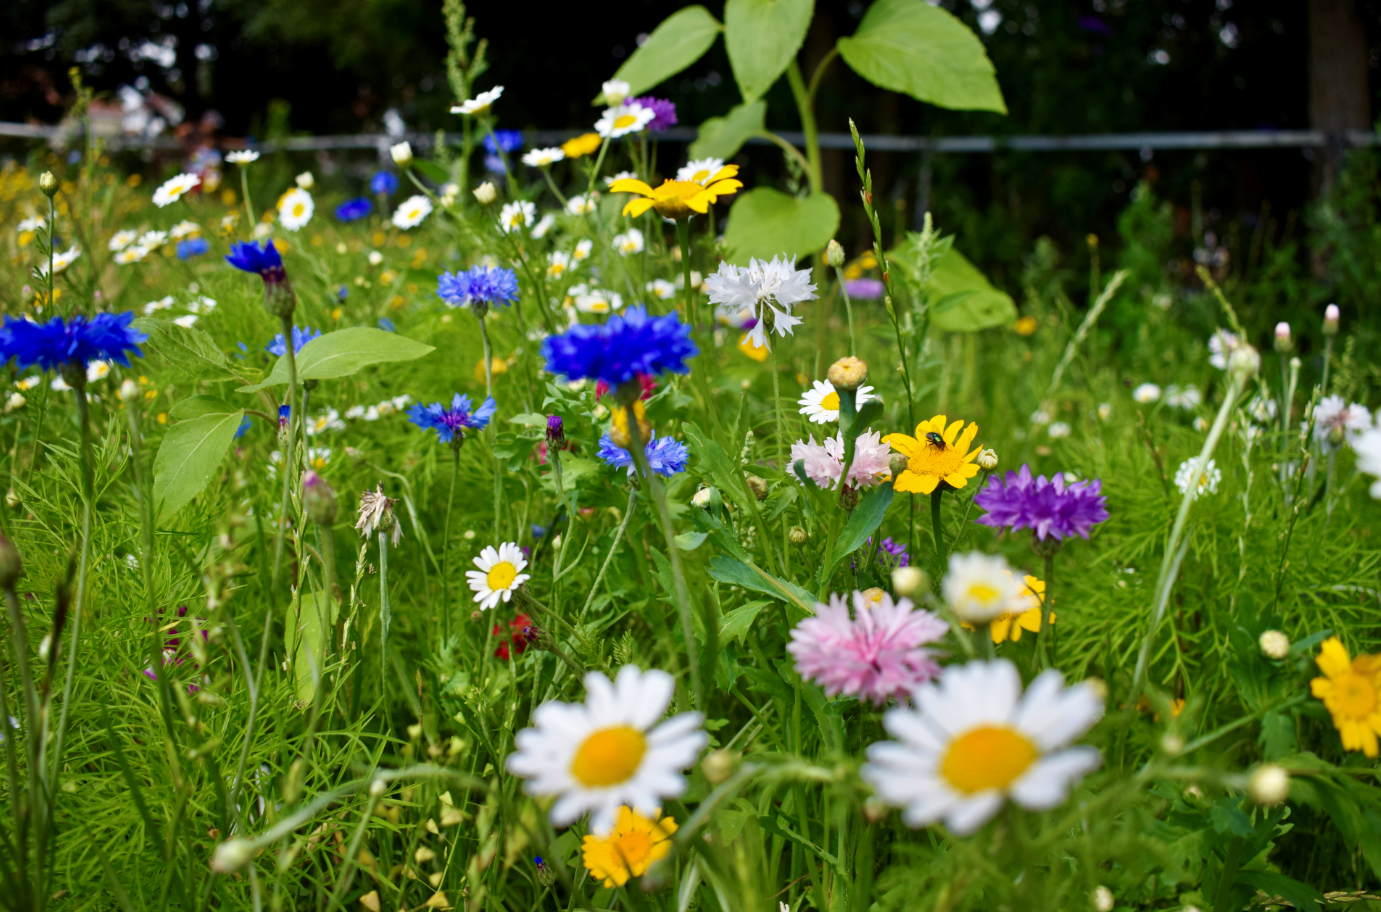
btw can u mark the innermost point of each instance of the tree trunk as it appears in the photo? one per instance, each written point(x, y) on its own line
point(1339, 91)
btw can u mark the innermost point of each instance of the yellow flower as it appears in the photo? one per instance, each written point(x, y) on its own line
point(678, 199)
point(1350, 693)
point(937, 453)
point(630, 849)
point(749, 348)
point(583, 144)
point(496, 366)
point(1010, 626)
point(619, 432)
point(1026, 326)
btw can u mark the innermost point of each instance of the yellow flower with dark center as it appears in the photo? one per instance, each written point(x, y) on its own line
point(583, 144)
point(1350, 692)
point(678, 199)
point(630, 849)
point(939, 452)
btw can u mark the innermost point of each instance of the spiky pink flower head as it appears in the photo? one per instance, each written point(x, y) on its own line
point(877, 654)
point(823, 463)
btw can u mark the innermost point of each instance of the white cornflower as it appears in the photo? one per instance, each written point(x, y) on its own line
point(769, 290)
point(295, 208)
point(629, 243)
point(1187, 397)
point(1220, 346)
point(121, 239)
point(582, 251)
point(1208, 478)
point(173, 188)
point(480, 104)
point(981, 588)
point(580, 204)
point(183, 229)
point(630, 117)
point(242, 157)
point(700, 170)
point(609, 751)
point(543, 225)
point(615, 91)
point(60, 261)
point(558, 264)
point(598, 301)
point(1335, 420)
point(971, 740)
point(661, 289)
point(820, 403)
point(411, 212)
point(499, 573)
point(1146, 393)
point(516, 216)
point(543, 158)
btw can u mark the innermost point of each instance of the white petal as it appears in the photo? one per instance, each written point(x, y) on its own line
point(646, 696)
point(1052, 715)
point(1046, 783)
point(974, 811)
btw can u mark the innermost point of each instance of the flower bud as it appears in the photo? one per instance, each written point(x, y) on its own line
point(834, 253)
point(798, 535)
point(231, 855)
point(402, 154)
point(757, 486)
point(875, 810)
point(377, 787)
point(847, 374)
point(1244, 362)
point(12, 499)
point(615, 91)
point(486, 193)
point(908, 580)
point(305, 180)
point(319, 499)
point(987, 460)
point(1172, 744)
point(1330, 320)
point(898, 463)
point(706, 498)
point(15, 402)
point(375, 258)
point(11, 566)
point(1103, 899)
point(1274, 644)
point(556, 431)
point(719, 765)
point(1269, 784)
point(1283, 342)
point(1099, 688)
point(48, 184)
point(129, 391)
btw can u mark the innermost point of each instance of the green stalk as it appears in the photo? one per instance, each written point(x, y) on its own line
point(488, 355)
point(249, 210)
point(52, 226)
point(613, 547)
point(1327, 360)
point(849, 309)
point(937, 529)
point(1045, 605)
point(385, 611)
point(806, 109)
point(289, 464)
point(697, 378)
point(446, 541)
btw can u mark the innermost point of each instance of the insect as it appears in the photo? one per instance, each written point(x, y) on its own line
point(935, 440)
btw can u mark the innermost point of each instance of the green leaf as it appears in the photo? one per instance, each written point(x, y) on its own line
point(863, 522)
point(766, 222)
point(342, 353)
point(192, 450)
point(920, 50)
point(755, 579)
point(187, 348)
point(681, 39)
point(722, 137)
point(302, 630)
point(1300, 895)
point(736, 624)
point(982, 306)
point(529, 419)
point(431, 171)
point(710, 457)
point(1226, 817)
point(762, 38)
point(689, 541)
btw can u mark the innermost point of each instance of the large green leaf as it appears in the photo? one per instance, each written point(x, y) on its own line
point(983, 308)
point(188, 349)
point(765, 222)
point(343, 352)
point(681, 39)
point(920, 50)
point(722, 137)
point(863, 522)
point(192, 450)
point(754, 578)
point(762, 37)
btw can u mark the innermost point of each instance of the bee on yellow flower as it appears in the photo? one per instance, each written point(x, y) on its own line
point(939, 452)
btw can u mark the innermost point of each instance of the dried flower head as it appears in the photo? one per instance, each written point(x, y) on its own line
point(376, 515)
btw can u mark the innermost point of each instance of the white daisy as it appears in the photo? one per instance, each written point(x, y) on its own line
point(1208, 478)
point(242, 157)
point(598, 301)
point(1220, 346)
point(28, 383)
point(480, 104)
point(173, 188)
point(971, 740)
point(622, 175)
point(543, 158)
point(152, 240)
point(1263, 408)
point(582, 251)
point(263, 229)
point(1336, 420)
point(1187, 397)
point(401, 402)
point(355, 412)
point(499, 573)
point(770, 290)
point(580, 204)
point(516, 216)
point(1367, 446)
point(121, 239)
point(60, 261)
point(30, 224)
point(543, 225)
point(59, 384)
point(981, 587)
point(1146, 393)
point(412, 211)
point(201, 305)
point(328, 420)
point(610, 750)
point(615, 91)
point(183, 229)
point(820, 403)
point(295, 208)
point(131, 255)
point(630, 117)
point(558, 264)
point(700, 170)
point(662, 289)
point(97, 370)
point(629, 243)
point(1058, 430)
point(371, 413)
point(186, 321)
point(154, 307)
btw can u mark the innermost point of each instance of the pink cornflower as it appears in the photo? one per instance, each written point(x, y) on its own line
point(876, 655)
point(823, 463)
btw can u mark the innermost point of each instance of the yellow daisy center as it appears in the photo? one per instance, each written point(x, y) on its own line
point(990, 757)
point(982, 592)
point(609, 756)
point(1354, 695)
point(700, 176)
point(624, 120)
point(501, 576)
point(299, 209)
point(931, 460)
point(830, 402)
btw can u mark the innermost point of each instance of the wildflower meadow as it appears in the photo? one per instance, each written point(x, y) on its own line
point(584, 527)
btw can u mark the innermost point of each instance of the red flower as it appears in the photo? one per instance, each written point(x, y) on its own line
point(649, 384)
point(519, 626)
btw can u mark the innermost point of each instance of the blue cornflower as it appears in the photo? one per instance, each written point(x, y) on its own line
point(383, 183)
point(243, 350)
point(479, 285)
point(192, 247)
point(342, 292)
point(284, 412)
point(360, 206)
point(448, 422)
point(301, 336)
point(666, 455)
point(387, 325)
point(509, 141)
point(265, 261)
point(57, 343)
point(617, 351)
point(244, 427)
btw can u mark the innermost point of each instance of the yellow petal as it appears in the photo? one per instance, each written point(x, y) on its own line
point(1321, 687)
point(957, 480)
point(1333, 658)
point(903, 444)
point(630, 185)
point(725, 186)
point(952, 431)
point(1031, 620)
point(637, 206)
point(934, 424)
point(967, 438)
point(916, 484)
point(724, 173)
point(1000, 627)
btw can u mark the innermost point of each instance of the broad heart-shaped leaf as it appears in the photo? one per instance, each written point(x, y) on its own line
point(681, 39)
point(192, 450)
point(920, 50)
point(766, 222)
point(762, 38)
point(343, 352)
point(722, 137)
point(983, 308)
point(188, 349)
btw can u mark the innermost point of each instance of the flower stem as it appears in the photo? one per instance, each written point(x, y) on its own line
point(938, 530)
point(385, 612)
point(613, 548)
point(1327, 360)
point(249, 209)
point(848, 309)
point(1045, 604)
point(697, 378)
point(289, 463)
point(52, 226)
point(445, 544)
point(488, 357)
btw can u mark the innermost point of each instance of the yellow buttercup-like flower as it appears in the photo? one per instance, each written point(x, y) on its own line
point(1010, 626)
point(1352, 693)
point(630, 849)
point(678, 199)
point(939, 452)
point(584, 144)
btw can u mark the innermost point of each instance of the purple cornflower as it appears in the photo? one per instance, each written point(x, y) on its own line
point(664, 113)
point(892, 555)
point(864, 289)
point(666, 456)
point(265, 261)
point(478, 287)
point(616, 351)
point(301, 336)
point(78, 341)
point(383, 183)
point(355, 209)
point(450, 423)
point(509, 141)
point(1047, 507)
point(556, 430)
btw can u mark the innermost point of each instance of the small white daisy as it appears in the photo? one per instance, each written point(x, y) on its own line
point(972, 740)
point(60, 261)
point(295, 208)
point(355, 412)
point(242, 157)
point(173, 188)
point(629, 243)
point(630, 117)
point(820, 403)
point(30, 225)
point(1367, 446)
point(152, 240)
point(662, 289)
point(598, 301)
point(411, 212)
point(480, 104)
point(543, 158)
point(131, 255)
point(121, 239)
point(1146, 393)
point(543, 225)
point(201, 305)
point(700, 170)
point(328, 420)
point(1186, 397)
point(1058, 430)
point(154, 307)
point(614, 91)
point(97, 370)
point(183, 229)
point(1208, 478)
point(580, 204)
point(29, 382)
point(582, 250)
point(499, 573)
point(610, 750)
point(516, 216)
point(558, 264)
point(981, 588)
point(186, 321)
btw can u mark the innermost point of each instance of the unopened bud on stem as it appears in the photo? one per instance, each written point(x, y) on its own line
point(1331, 316)
point(1283, 341)
point(48, 184)
point(1244, 362)
point(848, 374)
point(834, 254)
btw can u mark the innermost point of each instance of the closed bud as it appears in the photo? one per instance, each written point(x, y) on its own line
point(402, 154)
point(1103, 899)
point(1331, 316)
point(129, 391)
point(1244, 362)
point(1172, 744)
point(15, 402)
point(875, 810)
point(707, 498)
point(1269, 784)
point(1274, 644)
point(848, 373)
point(556, 431)
point(987, 460)
point(12, 499)
point(231, 855)
point(615, 91)
point(908, 580)
point(719, 765)
point(11, 565)
point(1283, 342)
point(798, 535)
point(834, 253)
point(486, 193)
point(305, 180)
point(48, 184)
point(757, 485)
point(319, 499)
